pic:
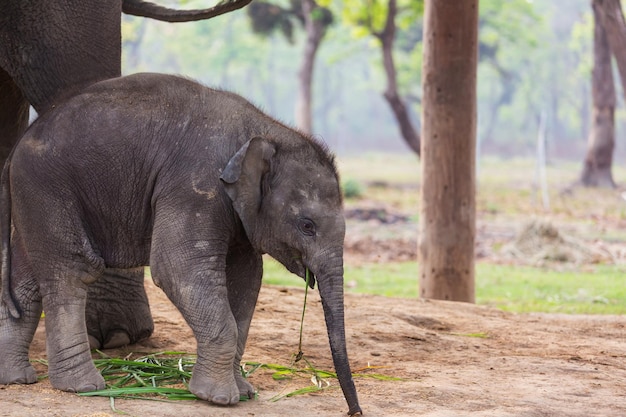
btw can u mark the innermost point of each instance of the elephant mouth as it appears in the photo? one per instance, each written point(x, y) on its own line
point(311, 278)
point(299, 268)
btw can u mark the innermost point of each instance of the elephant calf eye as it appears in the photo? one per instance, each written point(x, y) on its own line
point(306, 227)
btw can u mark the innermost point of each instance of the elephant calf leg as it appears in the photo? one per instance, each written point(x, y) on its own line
point(212, 378)
point(118, 312)
point(204, 305)
point(244, 270)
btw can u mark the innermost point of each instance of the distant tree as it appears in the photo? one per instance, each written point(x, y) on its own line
point(316, 20)
point(611, 17)
point(448, 206)
point(398, 107)
point(609, 39)
point(503, 29)
point(380, 19)
point(598, 160)
point(267, 17)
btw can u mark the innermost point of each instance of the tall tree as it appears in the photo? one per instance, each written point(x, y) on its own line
point(397, 104)
point(316, 20)
point(503, 45)
point(380, 19)
point(448, 211)
point(267, 17)
point(597, 166)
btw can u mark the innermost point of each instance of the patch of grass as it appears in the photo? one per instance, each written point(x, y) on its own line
point(389, 279)
point(368, 167)
point(596, 290)
point(506, 189)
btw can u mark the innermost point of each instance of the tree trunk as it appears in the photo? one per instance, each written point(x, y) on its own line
point(599, 158)
point(611, 17)
point(398, 107)
point(447, 220)
point(314, 33)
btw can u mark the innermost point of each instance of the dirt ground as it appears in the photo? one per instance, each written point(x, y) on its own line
point(454, 359)
point(522, 365)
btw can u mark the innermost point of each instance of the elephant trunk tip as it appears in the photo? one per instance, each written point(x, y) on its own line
point(355, 410)
point(352, 399)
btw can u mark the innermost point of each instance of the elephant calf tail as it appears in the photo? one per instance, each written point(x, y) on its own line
point(5, 235)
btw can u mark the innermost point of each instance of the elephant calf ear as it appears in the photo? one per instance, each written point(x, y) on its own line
point(243, 177)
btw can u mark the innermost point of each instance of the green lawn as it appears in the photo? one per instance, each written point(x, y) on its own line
point(597, 290)
point(506, 194)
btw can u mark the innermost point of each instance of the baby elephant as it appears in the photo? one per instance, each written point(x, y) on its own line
point(197, 183)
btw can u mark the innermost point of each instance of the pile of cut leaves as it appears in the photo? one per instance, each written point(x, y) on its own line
point(165, 376)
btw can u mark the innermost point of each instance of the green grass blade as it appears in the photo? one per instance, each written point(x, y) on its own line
point(122, 392)
point(306, 390)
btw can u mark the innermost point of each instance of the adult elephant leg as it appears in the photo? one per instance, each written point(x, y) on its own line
point(117, 309)
point(118, 312)
point(16, 334)
point(244, 270)
point(13, 114)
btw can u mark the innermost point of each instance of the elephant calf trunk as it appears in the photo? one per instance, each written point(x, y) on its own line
point(331, 291)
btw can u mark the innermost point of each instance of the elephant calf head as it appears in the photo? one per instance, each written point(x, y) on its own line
point(289, 201)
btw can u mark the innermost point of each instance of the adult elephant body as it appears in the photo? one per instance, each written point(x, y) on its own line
point(48, 51)
point(198, 183)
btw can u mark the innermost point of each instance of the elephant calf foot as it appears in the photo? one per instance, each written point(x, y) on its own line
point(220, 393)
point(114, 339)
point(118, 312)
point(78, 381)
point(23, 373)
point(246, 389)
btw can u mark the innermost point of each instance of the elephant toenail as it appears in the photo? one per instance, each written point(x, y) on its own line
point(220, 400)
point(117, 339)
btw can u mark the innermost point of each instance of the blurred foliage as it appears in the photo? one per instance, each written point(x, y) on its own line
point(266, 17)
point(352, 189)
point(368, 16)
point(535, 58)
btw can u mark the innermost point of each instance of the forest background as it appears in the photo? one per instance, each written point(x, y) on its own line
point(535, 61)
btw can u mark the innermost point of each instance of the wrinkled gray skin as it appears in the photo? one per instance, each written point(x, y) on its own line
point(50, 50)
point(196, 182)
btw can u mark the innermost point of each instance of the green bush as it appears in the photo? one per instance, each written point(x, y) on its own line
point(352, 189)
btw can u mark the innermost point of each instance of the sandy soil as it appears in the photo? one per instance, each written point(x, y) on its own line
point(525, 365)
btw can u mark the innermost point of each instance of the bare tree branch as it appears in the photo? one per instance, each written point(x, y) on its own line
point(154, 11)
